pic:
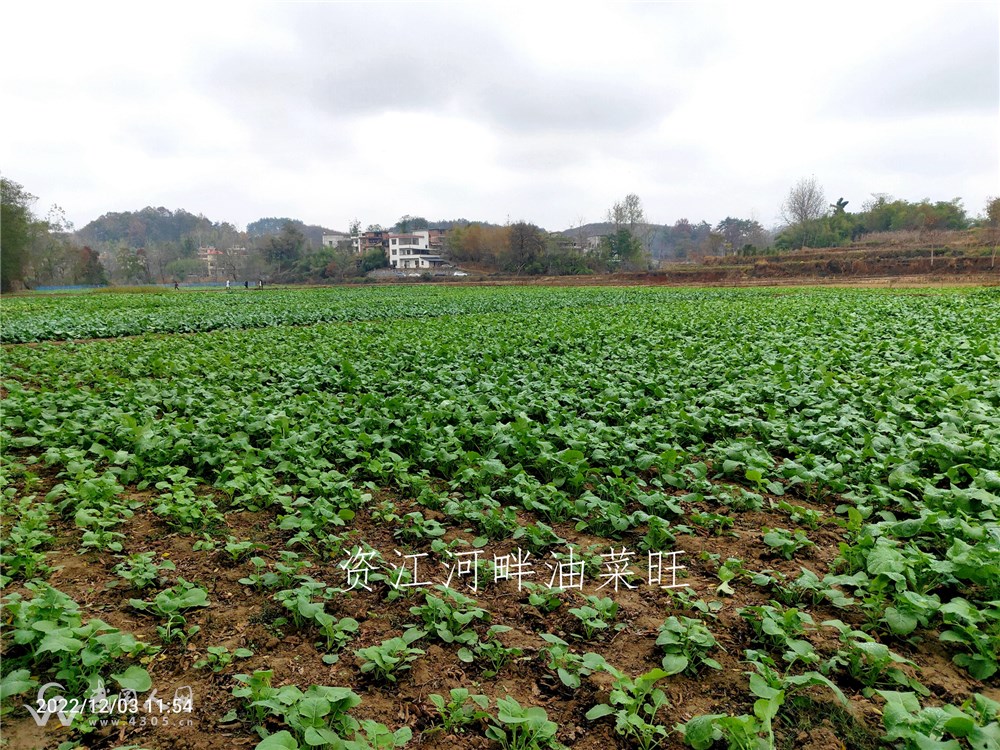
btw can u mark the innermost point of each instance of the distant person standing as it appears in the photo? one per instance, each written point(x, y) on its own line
point(246, 284)
point(176, 285)
point(227, 283)
point(260, 283)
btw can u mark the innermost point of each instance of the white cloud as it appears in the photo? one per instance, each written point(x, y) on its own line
point(547, 112)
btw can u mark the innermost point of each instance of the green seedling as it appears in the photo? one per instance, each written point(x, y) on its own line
point(490, 652)
point(301, 603)
point(754, 731)
point(317, 717)
point(786, 542)
point(239, 550)
point(48, 636)
point(635, 704)
point(141, 570)
point(219, 657)
point(801, 515)
point(522, 728)
point(170, 605)
point(23, 554)
point(659, 537)
point(390, 658)
point(538, 537)
point(871, 663)
point(182, 508)
point(596, 616)
point(686, 643)
point(413, 527)
point(977, 632)
point(450, 615)
point(460, 710)
point(569, 667)
point(544, 599)
point(284, 573)
point(912, 727)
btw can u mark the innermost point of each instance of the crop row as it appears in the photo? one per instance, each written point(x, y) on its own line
point(639, 415)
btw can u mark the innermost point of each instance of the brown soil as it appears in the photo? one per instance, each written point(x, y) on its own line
point(244, 617)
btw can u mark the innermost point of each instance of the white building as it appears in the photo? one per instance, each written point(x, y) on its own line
point(419, 261)
point(412, 250)
point(332, 240)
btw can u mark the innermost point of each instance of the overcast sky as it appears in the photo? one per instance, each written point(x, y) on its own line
point(546, 112)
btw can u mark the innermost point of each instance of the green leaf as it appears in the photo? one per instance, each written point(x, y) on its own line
point(568, 678)
point(320, 736)
point(761, 689)
point(674, 663)
point(900, 623)
point(15, 683)
point(701, 731)
point(134, 678)
point(282, 740)
point(57, 642)
point(313, 708)
point(599, 711)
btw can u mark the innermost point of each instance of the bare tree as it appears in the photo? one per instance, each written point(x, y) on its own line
point(805, 204)
point(581, 236)
point(627, 214)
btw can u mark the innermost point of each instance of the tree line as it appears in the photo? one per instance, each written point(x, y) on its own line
point(157, 245)
point(812, 221)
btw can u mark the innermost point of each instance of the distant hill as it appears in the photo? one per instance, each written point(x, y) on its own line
point(666, 242)
point(588, 230)
point(271, 225)
point(447, 224)
point(150, 226)
point(147, 226)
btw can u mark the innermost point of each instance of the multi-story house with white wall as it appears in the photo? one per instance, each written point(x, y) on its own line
point(414, 250)
point(417, 249)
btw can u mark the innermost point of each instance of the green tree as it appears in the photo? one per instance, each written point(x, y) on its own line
point(18, 228)
point(343, 263)
point(479, 244)
point(627, 245)
point(624, 251)
point(627, 214)
point(682, 240)
point(526, 243)
point(883, 213)
point(89, 269)
point(739, 234)
point(52, 257)
point(409, 223)
point(372, 259)
point(563, 257)
point(841, 226)
point(132, 266)
point(284, 249)
point(184, 268)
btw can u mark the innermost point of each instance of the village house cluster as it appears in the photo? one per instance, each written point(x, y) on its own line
point(408, 250)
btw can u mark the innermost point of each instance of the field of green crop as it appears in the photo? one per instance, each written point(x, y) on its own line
point(501, 518)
